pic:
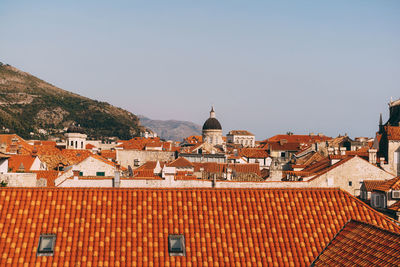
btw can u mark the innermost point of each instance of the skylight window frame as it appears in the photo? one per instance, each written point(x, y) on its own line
point(46, 252)
point(181, 239)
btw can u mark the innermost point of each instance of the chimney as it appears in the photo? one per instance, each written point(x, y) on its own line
point(372, 155)
point(76, 174)
point(117, 180)
point(34, 152)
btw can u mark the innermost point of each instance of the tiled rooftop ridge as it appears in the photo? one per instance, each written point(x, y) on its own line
point(361, 244)
point(102, 227)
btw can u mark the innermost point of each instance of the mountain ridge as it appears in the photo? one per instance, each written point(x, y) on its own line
point(33, 108)
point(175, 130)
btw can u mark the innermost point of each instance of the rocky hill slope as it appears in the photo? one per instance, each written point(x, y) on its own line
point(171, 129)
point(33, 108)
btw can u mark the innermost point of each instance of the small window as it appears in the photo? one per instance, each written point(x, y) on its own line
point(283, 154)
point(176, 245)
point(46, 245)
point(80, 173)
point(100, 174)
point(350, 183)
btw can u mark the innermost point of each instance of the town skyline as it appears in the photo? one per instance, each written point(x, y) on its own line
point(266, 67)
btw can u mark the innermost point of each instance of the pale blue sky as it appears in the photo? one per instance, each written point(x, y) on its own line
point(267, 67)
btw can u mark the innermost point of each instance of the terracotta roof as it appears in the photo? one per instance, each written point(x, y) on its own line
point(194, 139)
point(393, 132)
point(254, 153)
point(180, 163)
point(109, 154)
point(101, 227)
point(89, 146)
point(361, 244)
point(297, 138)
point(150, 165)
point(20, 163)
point(240, 132)
point(276, 146)
point(50, 176)
point(371, 185)
point(395, 206)
point(14, 143)
point(214, 167)
point(75, 156)
point(310, 158)
point(362, 152)
point(392, 184)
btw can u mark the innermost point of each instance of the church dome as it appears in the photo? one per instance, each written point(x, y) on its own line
point(212, 124)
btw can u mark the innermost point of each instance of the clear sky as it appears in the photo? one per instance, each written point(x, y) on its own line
point(267, 66)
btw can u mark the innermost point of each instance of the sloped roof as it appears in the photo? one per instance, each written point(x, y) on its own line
point(299, 138)
point(240, 132)
point(214, 167)
point(109, 154)
point(361, 244)
point(180, 163)
point(11, 141)
point(393, 132)
point(131, 226)
point(310, 158)
point(22, 163)
point(254, 153)
point(75, 156)
point(395, 206)
point(276, 146)
point(392, 184)
point(50, 176)
point(371, 185)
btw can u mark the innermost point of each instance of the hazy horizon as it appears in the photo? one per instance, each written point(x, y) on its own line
point(266, 67)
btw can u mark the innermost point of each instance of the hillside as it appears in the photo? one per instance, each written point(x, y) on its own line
point(171, 129)
point(33, 108)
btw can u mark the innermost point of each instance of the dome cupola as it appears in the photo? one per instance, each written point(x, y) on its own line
point(212, 123)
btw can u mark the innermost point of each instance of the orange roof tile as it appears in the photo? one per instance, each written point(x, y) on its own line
point(298, 138)
point(101, 227)
point(13, 144)
point(50, 176)
point(240, 132)
point(361, 244)
point(180, 163)
point(392, 184)
point(20, 163)
point(254, 153)
point(109, 154)
point(89, 146)
point(75, 156)
point(395, 206)
point(371, 185)
point(393, 132)
point(194, 139)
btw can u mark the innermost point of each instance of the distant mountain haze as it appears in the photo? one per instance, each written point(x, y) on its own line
point(171, 129)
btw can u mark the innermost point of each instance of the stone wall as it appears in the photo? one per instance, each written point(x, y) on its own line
point(127, 157)
point(355, 171)
point(19, 179)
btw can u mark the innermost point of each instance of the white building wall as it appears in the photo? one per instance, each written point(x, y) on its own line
point(3, 165)
point(19, 179)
